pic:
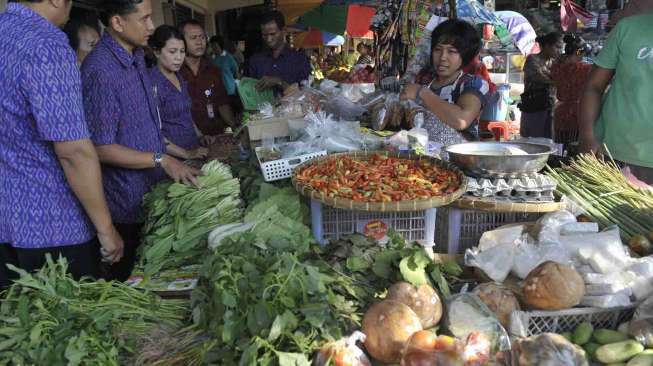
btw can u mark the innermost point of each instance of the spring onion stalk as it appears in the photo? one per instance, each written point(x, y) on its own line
point(606, 196)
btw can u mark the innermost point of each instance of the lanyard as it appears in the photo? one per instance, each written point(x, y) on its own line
point(448, 96)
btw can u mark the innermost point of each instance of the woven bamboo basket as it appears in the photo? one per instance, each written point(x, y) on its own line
point(489, 205)
point(396, 206)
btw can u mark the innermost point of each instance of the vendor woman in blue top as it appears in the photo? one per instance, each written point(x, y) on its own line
point(174, 102)
point(455, 97)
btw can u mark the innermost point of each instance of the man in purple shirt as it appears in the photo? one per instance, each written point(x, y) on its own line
point(279, 66)
point(51, 198)
point(121, 113)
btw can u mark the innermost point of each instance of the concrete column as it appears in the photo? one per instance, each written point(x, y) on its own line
point(157, 12)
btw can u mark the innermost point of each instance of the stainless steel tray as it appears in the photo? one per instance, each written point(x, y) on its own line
point(499, 159)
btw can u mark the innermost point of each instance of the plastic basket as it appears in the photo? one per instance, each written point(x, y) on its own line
point(283, 168)
point(331, 223)
point(459, 229)
point(528, 323)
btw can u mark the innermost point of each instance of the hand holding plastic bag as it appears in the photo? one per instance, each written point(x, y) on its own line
point(546, 349)
point(343, 352)
point(466, 314)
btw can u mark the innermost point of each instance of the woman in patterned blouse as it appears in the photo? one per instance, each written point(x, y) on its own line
point(453, 96)
point(174, 102)
point(569, 75)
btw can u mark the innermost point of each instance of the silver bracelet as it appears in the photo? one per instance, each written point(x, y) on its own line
point(418, 98)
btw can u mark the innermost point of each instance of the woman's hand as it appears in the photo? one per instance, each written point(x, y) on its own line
point(207, 140)
point(199, 153)
point(410, 92)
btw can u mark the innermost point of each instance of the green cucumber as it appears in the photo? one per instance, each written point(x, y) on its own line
point(590, 350)
point(583, 333)
point(643, 359)
point(618, 352)
point(607, 336)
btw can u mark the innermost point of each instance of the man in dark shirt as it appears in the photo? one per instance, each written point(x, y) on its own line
point(278, 66)
point(211, 110)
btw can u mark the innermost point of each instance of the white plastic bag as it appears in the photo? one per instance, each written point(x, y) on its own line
point(547, 228)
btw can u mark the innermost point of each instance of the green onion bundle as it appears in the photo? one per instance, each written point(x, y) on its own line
point(606, 196)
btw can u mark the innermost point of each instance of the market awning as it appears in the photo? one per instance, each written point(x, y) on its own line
point(316, 38)
point(520, 29)
point(293, 9)
point(338, 19)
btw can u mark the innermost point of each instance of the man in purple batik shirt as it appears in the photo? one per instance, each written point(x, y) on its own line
point(51, 198)
point(122, 117)
point(278, 66)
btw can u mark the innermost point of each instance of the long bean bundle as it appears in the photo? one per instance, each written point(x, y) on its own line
point(601, 190)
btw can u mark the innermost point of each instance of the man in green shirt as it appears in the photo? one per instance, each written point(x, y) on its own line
point(623, 118)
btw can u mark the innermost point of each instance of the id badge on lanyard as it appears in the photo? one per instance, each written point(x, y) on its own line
point(209, 105)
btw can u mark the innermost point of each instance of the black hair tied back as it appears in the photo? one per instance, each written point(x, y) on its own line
point(162, 34)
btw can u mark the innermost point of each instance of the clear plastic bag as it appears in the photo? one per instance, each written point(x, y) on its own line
point(343, 352)
point(345, 109)
point(329, 134)
point(641, 327)
point(466, 314)
point(546, 349)
point(547, 228)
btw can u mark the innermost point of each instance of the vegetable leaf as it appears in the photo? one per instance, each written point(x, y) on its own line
point(292, 359)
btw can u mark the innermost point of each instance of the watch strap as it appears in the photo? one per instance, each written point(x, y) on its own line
point(158, 158)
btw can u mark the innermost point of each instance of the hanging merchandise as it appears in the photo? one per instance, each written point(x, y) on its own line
point(570, 13)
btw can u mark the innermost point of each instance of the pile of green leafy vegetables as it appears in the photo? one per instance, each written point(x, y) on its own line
point(48, 318)
point(271, 296)
point(179, 218)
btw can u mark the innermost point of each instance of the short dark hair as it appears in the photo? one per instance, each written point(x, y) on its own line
point(576, 45)
point(162, 34)
point(72, 31)
point(195, 22)
point(273, 16)
point(460, 34)
point(110, 8)
point(217, 39)
point(548, 39)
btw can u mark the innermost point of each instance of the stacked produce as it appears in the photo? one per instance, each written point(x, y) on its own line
point(269, 294)
point(260, 296)
point(179, 218)
point(610, 346)
point(379, 179)
point(357, 76)
point(48, 318)
point(602, 191)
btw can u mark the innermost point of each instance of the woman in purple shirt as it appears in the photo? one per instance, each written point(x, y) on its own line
point(174, 102)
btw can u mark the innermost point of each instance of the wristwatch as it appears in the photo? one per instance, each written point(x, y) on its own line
point(158, 158)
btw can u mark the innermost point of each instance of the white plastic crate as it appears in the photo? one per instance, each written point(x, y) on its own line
point(332, 223)
point(283, 168)
point(529, 323)
point(459, 230)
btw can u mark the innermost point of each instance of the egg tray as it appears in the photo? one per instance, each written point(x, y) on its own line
point(532, 188)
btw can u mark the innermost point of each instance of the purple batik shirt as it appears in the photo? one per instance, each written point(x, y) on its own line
point(120, 109)
point(175, 110)
point(291, 66)
point(40, 103)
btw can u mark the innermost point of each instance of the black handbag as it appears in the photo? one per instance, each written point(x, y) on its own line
point(533, 101)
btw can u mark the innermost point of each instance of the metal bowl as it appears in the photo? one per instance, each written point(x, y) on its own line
point(499, 159)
